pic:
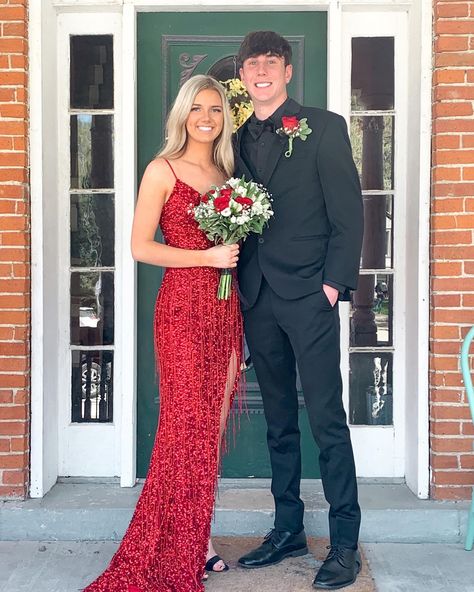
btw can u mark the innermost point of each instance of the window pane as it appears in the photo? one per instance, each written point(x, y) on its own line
point(92, 163)
point(372, 78)
point(92, 308)
point(372, 146)
point(92, 386)
point(92, 230)
point(92, 72)
point(378, 232)
point(372, 311)
point(370, 388)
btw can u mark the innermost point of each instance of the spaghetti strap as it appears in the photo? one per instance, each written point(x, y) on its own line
point(172, 169)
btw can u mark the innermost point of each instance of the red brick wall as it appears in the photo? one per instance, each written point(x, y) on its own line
point(452, 248)
point(14, 251)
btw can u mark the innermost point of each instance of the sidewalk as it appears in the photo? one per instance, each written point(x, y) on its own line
point(29, 566)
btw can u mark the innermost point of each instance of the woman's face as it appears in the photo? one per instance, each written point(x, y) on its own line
point(206, 119)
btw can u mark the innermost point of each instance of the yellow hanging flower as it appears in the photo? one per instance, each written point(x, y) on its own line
point(239, 99)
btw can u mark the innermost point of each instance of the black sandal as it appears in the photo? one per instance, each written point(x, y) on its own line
point(212, 561)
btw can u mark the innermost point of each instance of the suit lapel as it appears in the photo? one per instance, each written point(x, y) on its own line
point(280, 143)
point(241, 164)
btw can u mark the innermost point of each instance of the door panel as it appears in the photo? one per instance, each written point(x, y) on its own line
point(172, 47)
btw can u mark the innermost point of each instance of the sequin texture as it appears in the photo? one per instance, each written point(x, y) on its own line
point(198, 344)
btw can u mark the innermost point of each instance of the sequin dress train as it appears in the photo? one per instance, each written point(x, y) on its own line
point(198, 343)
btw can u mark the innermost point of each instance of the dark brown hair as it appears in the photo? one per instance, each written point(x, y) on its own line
point(264, 43)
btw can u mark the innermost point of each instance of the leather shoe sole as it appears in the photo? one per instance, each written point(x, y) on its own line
point(296, 553)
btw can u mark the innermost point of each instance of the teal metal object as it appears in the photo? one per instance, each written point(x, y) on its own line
point(466, 373)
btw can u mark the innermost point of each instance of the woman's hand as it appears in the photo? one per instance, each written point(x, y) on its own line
point(221, 256)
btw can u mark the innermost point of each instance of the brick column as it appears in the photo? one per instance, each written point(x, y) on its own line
point(14, 251)
point(452, 249)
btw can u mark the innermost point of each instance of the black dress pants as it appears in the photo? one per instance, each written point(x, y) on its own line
point(280, 334)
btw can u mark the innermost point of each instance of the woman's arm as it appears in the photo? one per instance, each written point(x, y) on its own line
point(157, 184)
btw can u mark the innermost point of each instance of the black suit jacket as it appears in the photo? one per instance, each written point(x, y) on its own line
point(316, 232)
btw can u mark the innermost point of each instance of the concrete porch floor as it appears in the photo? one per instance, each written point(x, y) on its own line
point(81, 510)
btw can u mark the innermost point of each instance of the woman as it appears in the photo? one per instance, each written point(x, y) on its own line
point(198, 341)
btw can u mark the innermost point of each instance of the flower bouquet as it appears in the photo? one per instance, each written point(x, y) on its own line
point(229, 214)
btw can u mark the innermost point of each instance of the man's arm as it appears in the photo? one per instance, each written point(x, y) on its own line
point(343, 200)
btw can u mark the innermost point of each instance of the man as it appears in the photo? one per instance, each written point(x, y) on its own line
point(290, 279)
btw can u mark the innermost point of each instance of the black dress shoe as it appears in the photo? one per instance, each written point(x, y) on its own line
point(276, 546)
point(339, 569)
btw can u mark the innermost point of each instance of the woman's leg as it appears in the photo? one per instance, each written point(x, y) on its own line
point(228, 395)
point(226, 404)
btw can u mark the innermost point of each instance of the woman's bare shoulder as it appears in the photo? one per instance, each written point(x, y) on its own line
point(157, 181)
point(159, 173)
point(158, 167)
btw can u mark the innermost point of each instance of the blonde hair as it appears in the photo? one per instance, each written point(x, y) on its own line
point(176, 135)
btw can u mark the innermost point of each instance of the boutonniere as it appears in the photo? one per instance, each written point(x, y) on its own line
point(293, 128)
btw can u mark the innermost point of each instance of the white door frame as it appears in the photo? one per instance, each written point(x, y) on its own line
point(44, 175)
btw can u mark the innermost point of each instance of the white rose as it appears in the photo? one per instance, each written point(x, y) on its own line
point(227, 212)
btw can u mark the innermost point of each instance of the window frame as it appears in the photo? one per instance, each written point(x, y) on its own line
point(77, 441)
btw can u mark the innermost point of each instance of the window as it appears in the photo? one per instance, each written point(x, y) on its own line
point(92, 227)
point(371, 314)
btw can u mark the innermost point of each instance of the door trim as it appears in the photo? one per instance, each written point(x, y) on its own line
point(128, 453)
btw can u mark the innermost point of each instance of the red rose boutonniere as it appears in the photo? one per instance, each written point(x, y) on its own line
point(293, 128)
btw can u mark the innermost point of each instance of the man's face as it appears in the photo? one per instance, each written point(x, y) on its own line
point(266, 77)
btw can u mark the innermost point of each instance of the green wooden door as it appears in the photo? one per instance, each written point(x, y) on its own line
point(172, 47)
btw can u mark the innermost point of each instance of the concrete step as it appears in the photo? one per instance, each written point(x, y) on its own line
point(80, 510)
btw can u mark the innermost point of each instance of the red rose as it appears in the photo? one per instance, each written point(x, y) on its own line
point(221, 203)
point(290, 123)
point(205, 198)
point(225, 193)
point(245, 201)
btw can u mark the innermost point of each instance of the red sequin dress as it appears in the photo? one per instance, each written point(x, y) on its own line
point(198, 342)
